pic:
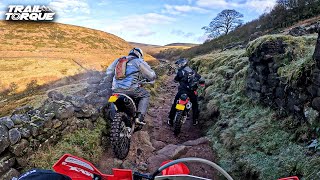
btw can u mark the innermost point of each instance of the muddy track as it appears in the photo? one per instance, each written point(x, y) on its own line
point(156, 142)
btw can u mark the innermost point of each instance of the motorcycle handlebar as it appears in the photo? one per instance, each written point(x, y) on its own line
point(212, 164)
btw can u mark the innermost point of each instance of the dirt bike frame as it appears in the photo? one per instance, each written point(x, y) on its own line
point(183, 106)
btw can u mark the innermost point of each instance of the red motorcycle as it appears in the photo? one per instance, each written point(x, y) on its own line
point(70, 167)
point(80, 169)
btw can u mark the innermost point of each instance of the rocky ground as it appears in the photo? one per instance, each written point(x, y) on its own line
point(156, 142)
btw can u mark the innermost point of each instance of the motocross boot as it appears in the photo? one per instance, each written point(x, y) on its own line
point(170, 122)
point(195, 122)
point(140, 119)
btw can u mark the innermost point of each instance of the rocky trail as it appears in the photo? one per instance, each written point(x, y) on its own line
point(156, 142)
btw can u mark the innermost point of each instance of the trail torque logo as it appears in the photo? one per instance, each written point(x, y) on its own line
point(29, 13)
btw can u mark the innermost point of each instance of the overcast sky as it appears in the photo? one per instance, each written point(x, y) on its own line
point(147, 21)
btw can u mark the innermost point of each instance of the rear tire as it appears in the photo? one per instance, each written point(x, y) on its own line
point(177, 122)
point(119, 140)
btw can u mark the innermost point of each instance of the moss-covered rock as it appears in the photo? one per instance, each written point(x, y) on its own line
point(291, 54)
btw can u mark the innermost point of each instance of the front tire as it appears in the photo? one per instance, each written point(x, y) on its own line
point(177, 123)
point(120, 137)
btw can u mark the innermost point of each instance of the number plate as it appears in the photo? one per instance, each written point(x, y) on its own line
point(180, 107)
point(113, 99)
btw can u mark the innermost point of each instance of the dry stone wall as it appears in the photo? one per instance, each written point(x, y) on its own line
point(300, 97)
point(27, 128)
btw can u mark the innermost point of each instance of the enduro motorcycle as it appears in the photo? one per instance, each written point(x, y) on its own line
point(80, 169)
point(183, 108)
point(124, 123)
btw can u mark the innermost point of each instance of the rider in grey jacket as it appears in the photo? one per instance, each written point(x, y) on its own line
point(136, 70)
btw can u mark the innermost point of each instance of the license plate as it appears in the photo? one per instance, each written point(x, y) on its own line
point(180, 107)
point(113, 99)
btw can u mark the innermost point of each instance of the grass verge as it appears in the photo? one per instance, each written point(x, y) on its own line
point(83, 143)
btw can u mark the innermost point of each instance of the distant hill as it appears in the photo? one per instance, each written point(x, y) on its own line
point(154, 50)
point(46, 52)
point(182, 44)
point(135, 44)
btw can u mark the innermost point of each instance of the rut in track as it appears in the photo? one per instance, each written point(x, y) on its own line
point(156, 142)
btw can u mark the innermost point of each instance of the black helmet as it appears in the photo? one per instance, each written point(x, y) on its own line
point(181, 62)
point(136, 52)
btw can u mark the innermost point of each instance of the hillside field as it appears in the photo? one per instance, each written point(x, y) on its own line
point(45, 52)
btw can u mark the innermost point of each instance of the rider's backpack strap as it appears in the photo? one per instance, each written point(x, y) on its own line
point(121, 68)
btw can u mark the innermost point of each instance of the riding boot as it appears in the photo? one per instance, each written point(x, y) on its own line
point(140, 119)
point(195, 122)
point(170, 122)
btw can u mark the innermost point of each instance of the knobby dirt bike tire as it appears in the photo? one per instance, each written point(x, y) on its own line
point(177, 123)
point(120, 145)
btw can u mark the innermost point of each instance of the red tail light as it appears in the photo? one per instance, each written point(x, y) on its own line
point(183, 102)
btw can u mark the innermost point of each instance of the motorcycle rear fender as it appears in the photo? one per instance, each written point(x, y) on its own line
point(119, 105)
point(113, 98)
point(183, 102)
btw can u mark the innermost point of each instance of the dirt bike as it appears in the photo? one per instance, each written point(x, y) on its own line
point(183, 108)
point(124, 123)
point(80, 169)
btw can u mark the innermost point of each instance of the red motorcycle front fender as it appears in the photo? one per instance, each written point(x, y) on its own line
point(176, 169)
point(80, 169)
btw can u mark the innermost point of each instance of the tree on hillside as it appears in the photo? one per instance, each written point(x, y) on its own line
point(288, 12)
point(225, 22)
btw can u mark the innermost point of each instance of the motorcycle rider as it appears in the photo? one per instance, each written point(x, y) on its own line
point(126, 73)
point(188, 83)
